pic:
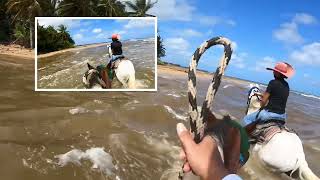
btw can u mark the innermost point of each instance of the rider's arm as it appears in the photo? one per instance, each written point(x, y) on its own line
point(265, 99)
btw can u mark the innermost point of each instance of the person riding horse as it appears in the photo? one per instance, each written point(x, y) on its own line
point(273, 102)
point(116, 47)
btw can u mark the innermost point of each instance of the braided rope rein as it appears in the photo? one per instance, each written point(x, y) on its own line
point(198, 120)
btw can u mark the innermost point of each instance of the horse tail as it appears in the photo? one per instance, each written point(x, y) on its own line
point(305, 173)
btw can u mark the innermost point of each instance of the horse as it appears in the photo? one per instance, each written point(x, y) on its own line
point(277, 147)
point(92, 79)
point(124, 72)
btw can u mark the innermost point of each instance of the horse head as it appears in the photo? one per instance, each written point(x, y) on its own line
point(253, 100)
point(91, 78)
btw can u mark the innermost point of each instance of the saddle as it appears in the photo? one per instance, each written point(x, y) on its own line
point(264, 131)
point(115, 64)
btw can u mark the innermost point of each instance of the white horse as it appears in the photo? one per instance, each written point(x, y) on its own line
point(283, 152)
point(124, 71)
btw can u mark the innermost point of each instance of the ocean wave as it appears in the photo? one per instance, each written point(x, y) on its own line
point(309, 96)
point(78, 110)
point(176, 115)
point(100, 159)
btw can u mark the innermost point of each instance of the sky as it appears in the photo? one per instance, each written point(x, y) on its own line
point(88, 31)
point(262, 32)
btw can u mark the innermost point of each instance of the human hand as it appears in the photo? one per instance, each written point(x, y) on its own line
point(203, 159)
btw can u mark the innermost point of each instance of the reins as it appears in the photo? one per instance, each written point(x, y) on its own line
point(198, 120)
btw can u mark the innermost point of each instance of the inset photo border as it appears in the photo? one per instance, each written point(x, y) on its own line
point(75, 53)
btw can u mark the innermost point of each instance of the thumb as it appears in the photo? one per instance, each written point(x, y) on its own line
point(185, 137)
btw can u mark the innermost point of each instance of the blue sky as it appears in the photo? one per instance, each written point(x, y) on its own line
point(263, 32)
point(87, 31)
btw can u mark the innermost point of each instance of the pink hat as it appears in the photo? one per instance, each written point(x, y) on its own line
point(283, 68)
point(115, 36)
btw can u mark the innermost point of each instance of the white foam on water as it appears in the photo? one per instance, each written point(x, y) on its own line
point(174, 95)
point(78, 110)
point(226, 86)
point(176, 115)
point(97, 101)
point(100, 159)
point(309, 96)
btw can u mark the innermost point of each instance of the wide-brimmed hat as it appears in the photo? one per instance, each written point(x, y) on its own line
point(283, 68)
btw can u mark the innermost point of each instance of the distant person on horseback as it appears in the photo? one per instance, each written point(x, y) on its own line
point(274, 100)
point(116, 48)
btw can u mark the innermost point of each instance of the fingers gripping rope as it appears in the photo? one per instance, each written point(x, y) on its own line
point(198, 120)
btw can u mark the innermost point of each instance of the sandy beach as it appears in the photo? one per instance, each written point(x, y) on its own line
point(16, 51)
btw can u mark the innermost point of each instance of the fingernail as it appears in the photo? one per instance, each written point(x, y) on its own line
point(180, 128)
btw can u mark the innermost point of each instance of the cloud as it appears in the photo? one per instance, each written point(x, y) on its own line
point(303, 18)
point(178, 45)
point(173, 10)
point(78, 36)
point(190, 33)
point(214, 20)
point(139, 23)
point(263, 64)
point(289, 33)
point(309, 54)
point(70, 23)
point(97, 30)
point(238, 60)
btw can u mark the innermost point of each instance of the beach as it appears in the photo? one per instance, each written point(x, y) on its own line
point(16, 51)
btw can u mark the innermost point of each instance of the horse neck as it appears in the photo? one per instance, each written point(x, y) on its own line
point(254, 105)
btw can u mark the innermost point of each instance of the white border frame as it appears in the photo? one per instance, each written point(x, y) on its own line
point(97, 90)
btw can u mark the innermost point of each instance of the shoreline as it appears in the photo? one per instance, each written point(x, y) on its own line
point(81, 47)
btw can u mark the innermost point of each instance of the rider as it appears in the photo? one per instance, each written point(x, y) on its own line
point(116, 48)
point(273, 103)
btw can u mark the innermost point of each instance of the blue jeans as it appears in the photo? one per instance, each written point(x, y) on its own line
point(263, 116)
point(115, 57)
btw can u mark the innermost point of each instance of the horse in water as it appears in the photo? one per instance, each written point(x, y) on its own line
point(124, 72)
point(276, 146)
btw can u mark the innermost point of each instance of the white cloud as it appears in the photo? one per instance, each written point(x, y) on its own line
point(263, 64)
point(78, 36)
point(173, 10)
point(178, 45)
point(289, 33)
point(238, 60)
point(214, 20)
point(139, 23)
point(303, 18)
point(70, 23)
point(190, 33)
point(84, 30)
point(97, 30)
point(309, 54)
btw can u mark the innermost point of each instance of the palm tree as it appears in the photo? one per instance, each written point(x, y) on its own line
point(77, 8)
point(140, 7)
point(161, 50)
point(111, 8)
point(25, 10)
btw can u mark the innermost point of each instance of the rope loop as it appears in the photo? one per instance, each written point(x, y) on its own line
point(198, 120)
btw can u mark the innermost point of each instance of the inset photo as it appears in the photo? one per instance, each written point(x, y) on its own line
point(95, 54)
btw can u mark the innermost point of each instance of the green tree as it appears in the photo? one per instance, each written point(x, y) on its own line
point(161, 50)
point(77, 8)
point(26, 10)
point(21, 34)
point(5, 24)
point(140, 7)
point(111, 8)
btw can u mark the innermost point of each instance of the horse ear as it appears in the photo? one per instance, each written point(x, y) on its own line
point(89, 66)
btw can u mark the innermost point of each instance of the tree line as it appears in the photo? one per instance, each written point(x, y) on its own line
point(17, 16)
point(51, 39)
